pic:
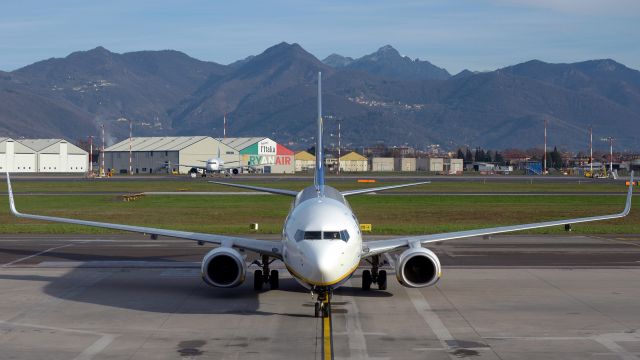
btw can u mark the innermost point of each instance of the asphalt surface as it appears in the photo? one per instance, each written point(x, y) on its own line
point(507, 297)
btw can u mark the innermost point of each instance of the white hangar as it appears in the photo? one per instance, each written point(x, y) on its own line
point(42, 156)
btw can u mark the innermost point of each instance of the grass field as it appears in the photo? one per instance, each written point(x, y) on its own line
point(390, 214)
point(186, 185)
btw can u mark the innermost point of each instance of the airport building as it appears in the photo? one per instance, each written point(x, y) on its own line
point(152, 155)
point(304, 161)
point(405, 164)
point(430, 164)
point(42, 156)
point(453, 166)
point(263, 155)
point(354, 162)
point(382, 164)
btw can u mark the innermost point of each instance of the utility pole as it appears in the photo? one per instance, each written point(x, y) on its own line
point(610, 140)
point(224, 129)
point(102, 153)
point(130, 140)
point(591, 150)
point(91, 155)
point(544, 164)
point(338, 146)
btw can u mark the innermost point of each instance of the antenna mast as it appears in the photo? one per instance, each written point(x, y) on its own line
point(544, 164)
point(130, 140)
point(591, 149)
point(102, 152)
point(224, 129)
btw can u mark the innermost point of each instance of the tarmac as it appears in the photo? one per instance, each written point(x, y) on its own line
point(506, 297)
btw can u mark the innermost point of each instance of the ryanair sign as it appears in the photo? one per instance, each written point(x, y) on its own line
point(267, 152)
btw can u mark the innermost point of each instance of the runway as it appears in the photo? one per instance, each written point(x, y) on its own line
point(507, 297)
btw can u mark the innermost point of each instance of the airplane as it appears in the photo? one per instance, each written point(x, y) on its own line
point(212, 165)
point(321, 245)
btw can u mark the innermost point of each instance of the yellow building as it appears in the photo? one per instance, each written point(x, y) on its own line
point(354, 162)
point(304, 161)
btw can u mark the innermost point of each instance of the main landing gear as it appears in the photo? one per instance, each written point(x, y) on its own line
point(264, 276)
point(375, 276)
point(323, 303)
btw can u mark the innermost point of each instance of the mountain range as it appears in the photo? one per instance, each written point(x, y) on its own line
point(380, 97)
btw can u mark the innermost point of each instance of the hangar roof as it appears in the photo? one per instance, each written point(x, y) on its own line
point(304, 156)
point(241, 143)
point(38, 144)
point(18, 148)
point(165, 143)
point(50, 145)
point(353, 156)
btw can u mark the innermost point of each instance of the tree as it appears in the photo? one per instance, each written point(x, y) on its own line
point(556, 158)
point(498, 158)
point(460, 154)
point(468, 157)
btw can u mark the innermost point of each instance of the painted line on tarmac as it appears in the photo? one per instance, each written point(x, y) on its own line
point(88, 353)
point(37, 254)
point(353, 331)
point(431, 319)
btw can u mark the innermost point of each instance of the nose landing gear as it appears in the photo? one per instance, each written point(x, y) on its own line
point(264, 276)
point(323, 303)
point(375, 276)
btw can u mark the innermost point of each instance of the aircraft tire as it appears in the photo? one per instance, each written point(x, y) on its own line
point(257, 280)
point(382, 280)
point(366, 280)
point(317, 313)
point(274, 280)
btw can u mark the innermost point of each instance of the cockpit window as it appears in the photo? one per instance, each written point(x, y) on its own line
point(313, 235)
point(331, 235)
point(326, 235)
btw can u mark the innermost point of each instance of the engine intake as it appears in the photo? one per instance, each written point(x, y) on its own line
point(418, 267)
point(223, 267)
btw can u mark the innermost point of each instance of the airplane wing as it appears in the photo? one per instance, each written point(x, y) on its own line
point(258, 188)
point(271, 248)
point(370, 190)
point(376, 247)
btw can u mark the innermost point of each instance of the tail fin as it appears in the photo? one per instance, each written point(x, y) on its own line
point(319, 173)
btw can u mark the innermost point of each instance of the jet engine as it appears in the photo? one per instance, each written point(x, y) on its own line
point(418, 267)
point(223, 267)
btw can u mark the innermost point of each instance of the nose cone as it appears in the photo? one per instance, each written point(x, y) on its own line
point(325, 263)
point(326, 268)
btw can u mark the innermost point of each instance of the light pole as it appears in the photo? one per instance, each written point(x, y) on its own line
point(90, 155)
point(610, 140)
point(130, 140)
point(591, 150)
point(544, 164)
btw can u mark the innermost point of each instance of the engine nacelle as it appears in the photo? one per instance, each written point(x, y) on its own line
point(418, 267)
point(223, 267)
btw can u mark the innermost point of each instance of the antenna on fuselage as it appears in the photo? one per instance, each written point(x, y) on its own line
point(319, 175)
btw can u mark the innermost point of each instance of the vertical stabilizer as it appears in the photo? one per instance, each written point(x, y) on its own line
point(319, 173)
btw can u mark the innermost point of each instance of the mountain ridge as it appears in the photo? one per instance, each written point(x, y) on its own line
point(273, 93)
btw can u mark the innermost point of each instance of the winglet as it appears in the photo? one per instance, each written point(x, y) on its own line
point(12, 204)
point(627, 207)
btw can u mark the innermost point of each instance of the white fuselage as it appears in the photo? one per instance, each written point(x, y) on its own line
point(215, 164)
point(322, 239)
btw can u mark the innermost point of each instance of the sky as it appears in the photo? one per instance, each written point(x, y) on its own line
point(478, 35)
